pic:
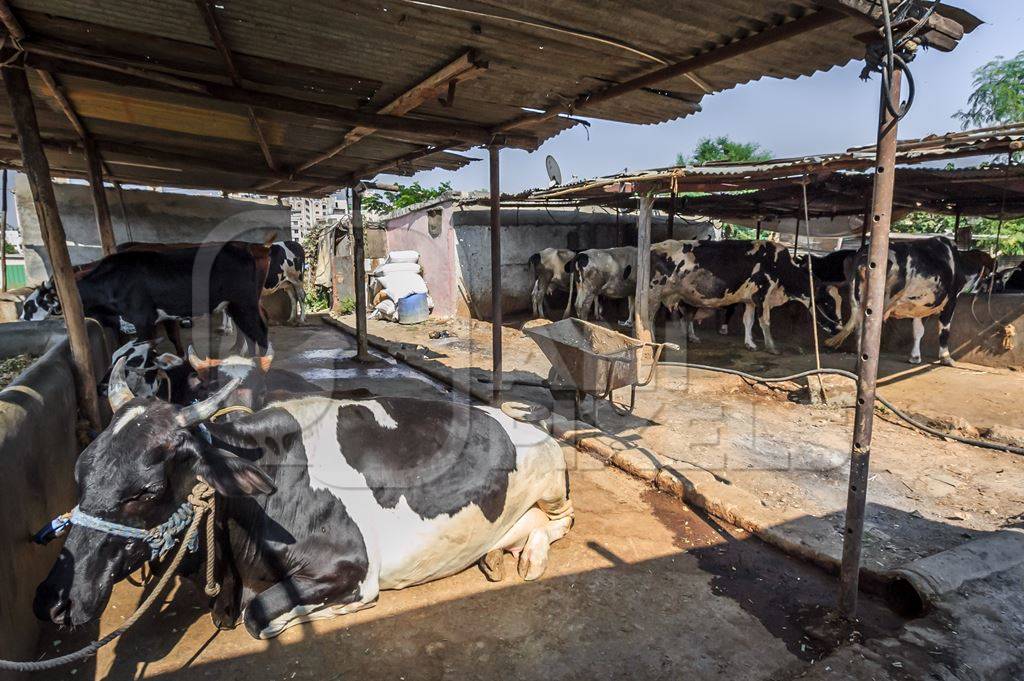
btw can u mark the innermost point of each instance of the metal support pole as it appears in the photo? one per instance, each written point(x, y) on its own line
point(99, 198)
point(495, 270)
point(359, 277)
point(672, 215)
point(37, 169)
point(641, 311)
point(867, 362)
point(3, 237)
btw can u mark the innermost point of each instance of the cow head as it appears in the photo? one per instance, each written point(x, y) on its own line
point(136, 473)
point(250, 372)
point(41, 303)
point(828, 306)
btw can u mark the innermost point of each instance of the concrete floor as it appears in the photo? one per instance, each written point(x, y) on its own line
point(641, 588)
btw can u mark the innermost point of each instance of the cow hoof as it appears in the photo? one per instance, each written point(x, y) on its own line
point(750, 346)
point(774, 351)
point(947, 362)
point(533, 561)
point(493, 565)
point(915, 360)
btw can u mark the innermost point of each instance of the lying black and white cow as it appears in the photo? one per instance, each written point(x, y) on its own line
point(149, 373)
point(608, 272)
point(548, 268)
point(923, 279)
point(145, 288)
point(761, 275)
point(323, 503)
point(1008, 280)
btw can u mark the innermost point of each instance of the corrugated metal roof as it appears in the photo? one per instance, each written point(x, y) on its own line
point(738, 176)
point(361, 54)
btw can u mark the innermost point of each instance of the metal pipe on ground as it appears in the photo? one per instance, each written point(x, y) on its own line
point(916, 587)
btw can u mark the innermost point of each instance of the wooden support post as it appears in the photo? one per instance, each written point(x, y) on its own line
point(37, 168)
point(867, 362)
point(3, 236)
point(493, 152)
point(672, 215)
point(359, 266)
point(94, 166)
point(641, 308)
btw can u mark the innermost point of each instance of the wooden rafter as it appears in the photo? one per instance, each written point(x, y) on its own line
point(206, 9)
point(466, 67)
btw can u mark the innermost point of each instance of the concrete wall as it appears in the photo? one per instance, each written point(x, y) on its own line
point(456, 258)
point(152, 216)
point(38, 448)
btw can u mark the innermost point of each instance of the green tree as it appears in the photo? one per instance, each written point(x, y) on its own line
point(998, 95)
point(985, 230)
point(723, 148)
point(407, 195)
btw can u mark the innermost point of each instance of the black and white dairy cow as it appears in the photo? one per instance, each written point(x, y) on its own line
point(149, 373)
point(607, 272)
point(322, 503)
point(287, 263)
point(923, 279)
point(761, 275)
point(548, 268)
point(146, 287)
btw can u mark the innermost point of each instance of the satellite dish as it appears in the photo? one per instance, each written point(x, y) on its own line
point(554, 172)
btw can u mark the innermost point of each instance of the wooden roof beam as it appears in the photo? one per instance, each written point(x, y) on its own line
point(213, 28)
point(466, 67)
point(86, 64)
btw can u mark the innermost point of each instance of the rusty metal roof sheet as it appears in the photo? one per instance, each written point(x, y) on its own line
point(359, 55)
point(724, 177)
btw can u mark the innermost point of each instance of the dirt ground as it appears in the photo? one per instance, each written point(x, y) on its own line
point(925, 494)
point(643, 587)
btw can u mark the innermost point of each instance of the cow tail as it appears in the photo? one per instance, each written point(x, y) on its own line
point(568, 303)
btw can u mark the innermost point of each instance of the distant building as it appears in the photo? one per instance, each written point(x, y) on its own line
point(306, 213)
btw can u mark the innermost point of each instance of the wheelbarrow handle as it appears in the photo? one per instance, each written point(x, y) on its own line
point(658, 349)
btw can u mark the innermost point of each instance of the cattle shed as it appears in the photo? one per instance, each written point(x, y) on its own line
point(451, 234)
point(302, 98)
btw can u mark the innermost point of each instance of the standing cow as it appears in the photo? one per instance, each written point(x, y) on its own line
point(761, 275)
point(548, 268)
point(923, 279)
point(608, 272)
point(322, 503)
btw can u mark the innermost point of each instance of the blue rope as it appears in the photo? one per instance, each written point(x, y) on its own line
point(160, 539)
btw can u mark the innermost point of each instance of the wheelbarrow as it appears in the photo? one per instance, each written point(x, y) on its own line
point(587, 359)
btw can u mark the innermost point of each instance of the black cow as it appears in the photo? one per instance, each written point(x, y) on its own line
point(923, 279)
point(714, 274)
point(145, 288)
point(323, 502)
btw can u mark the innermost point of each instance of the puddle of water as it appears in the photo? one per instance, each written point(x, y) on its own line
point(326, 353)
point(385, 374)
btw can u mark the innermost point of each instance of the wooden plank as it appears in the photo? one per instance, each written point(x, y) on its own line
point(37, 169)
point(359, 271)
point(496, 316)
point(104, 224)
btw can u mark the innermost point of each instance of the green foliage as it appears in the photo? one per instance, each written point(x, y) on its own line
point(723, 148)
point(10, 249)
point(347, 305)
point(408, 195)
point(1011, 236)
point(998, 95)
point(318, 299)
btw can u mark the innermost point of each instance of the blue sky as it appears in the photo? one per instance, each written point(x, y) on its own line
point(826, 112)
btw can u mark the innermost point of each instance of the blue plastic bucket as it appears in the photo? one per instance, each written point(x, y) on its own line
point(413, 309)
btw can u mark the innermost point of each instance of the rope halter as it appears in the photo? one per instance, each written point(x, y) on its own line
point(160, 539)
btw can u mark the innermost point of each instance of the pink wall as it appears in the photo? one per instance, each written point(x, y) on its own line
point(410, 233)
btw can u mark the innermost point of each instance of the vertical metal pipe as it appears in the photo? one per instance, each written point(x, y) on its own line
point(867, 362)
point(3, 236)
point(493, 151)
point(359, 282)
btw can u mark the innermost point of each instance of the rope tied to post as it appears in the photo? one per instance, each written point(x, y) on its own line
point(201, 504)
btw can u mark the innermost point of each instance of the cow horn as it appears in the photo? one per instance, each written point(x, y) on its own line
point(118, 392)
point(265, 360)
point(200, 411)
point(198, 363)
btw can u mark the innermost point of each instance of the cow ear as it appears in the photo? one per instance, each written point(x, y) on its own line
point(231, 475)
